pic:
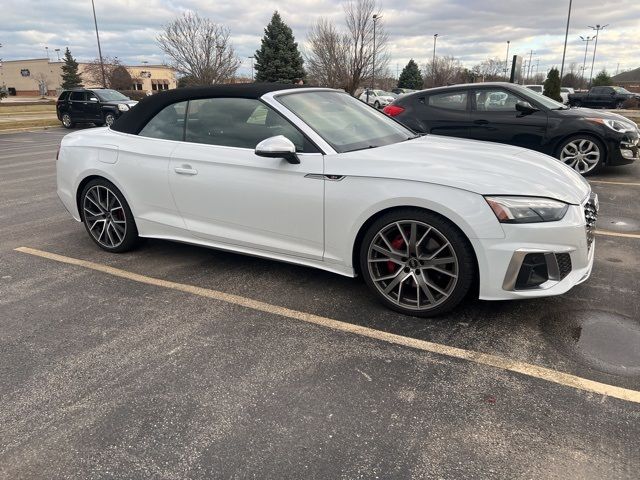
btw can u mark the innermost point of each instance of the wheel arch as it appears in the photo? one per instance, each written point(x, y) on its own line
point(357, 244)
point(95, 176)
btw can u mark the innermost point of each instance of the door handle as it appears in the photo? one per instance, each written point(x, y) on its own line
point(481, 122)
point(185, 170)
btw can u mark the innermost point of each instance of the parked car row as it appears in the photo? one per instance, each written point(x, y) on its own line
point(584, 139)
point(602, 97)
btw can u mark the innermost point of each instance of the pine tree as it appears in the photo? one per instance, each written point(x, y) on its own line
point(410, 76)
point(552, 85)
point(278, 59)
point(602, 79)
point(70, 76)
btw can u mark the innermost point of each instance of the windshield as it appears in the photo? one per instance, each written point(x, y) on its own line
point(539, 98)
point(110, 95)
point(343, 122)
point(620, 90)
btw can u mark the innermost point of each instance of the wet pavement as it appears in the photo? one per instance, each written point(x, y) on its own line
point(102, 377)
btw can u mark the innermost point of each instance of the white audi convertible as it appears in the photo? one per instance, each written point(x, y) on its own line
point(315, 177)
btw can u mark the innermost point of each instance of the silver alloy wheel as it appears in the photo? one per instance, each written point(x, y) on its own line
point(581, 154)
point(109, 119)
point(104, 216)
point(413, 265)
point(66, 120)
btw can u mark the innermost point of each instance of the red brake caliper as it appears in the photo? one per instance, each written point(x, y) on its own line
point(398, 244)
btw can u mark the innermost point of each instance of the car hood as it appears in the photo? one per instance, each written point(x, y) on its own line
point(131, 103)
point(482, 167)
point(588, 113)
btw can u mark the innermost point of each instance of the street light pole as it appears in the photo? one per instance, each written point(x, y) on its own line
point(376, 17)
point(95, 22)
point(251, 57)
point(506, 61)
point(584, 62)
point(597, 28)
point(433, 62)
point(529, 70)
point(58, 53)
point(566, 35)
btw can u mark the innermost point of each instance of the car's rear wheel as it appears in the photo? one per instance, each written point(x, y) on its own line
point(583, 153)
point(109, 118)
point(107, 216)
point(417, 262)
point(577, 103)
point(66, 121)
point(376, 104)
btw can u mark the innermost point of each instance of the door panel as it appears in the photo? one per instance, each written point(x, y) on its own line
point(494, 118)
point(444, 114)
point(231, 195)
point(77, 102)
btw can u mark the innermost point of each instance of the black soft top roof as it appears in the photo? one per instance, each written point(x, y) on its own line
point(148, 107)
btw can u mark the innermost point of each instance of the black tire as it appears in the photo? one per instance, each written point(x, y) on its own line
point(459, 249)
point(376, 105)
point(109, 118)
point(119, 219)
point(66, 121)
point(619, 105)
point(595, 141)
point(577, 103)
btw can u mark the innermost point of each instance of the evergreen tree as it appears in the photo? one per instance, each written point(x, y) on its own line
point(552, 85)
point(602, 79)
point(278, 59)
point(70, 76)
point(410, 76)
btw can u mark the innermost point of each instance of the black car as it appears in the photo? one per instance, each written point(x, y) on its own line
point(602, 97)
point(506, 113)
point(100, 106)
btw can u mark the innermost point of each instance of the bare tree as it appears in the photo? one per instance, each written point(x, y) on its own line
point(327, 59)
point(92, 71)
point(346, 59)
point(489, 70)
point(448, 70)
point(199, 49)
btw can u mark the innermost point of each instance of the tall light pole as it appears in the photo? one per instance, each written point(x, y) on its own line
point(529, 70)
point(586, 39)
point(566, 35)
point(95, 22)
point(506, 60)
point(58, 53)
point(251, 57)
point(376, 17)
point(597, 28)
point(433, 62)
point(47, 50)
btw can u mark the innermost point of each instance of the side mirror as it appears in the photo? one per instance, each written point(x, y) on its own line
point(93, 99)
point(278, 147)
point(525, 109)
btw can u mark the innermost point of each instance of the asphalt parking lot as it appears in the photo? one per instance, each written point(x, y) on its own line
point(175, 361)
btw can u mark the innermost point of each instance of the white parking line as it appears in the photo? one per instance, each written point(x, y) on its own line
point(606, 182)
point(28, 154)
point(501, 363)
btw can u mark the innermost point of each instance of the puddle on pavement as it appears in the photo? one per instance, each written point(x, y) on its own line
point(601, 340)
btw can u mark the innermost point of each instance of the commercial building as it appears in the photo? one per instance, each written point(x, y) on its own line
point(40, 76)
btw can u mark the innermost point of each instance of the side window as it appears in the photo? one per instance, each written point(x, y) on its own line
point(498, 101)
point(238, 122)
point(78, 96)
point(64, 96)
point(168, 124)
point(448, 101)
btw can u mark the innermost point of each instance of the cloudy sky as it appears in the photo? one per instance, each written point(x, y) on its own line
point(471, 30)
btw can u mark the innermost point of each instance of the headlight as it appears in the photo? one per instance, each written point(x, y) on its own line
point(527, 209)
point(615, 125)
point(123, 107)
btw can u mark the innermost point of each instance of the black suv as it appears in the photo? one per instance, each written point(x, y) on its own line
point(100, 106)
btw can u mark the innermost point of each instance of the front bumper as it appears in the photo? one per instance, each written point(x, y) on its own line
point(624, 148)
point(564, 245)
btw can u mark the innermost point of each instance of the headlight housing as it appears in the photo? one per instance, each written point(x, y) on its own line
point(123, 107)
point(513, 209)
point(619, 126)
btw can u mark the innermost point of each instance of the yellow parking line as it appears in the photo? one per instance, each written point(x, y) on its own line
point(534, 371)
point(617, 234)
point(615, 183)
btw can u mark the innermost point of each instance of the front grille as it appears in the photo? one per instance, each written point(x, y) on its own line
point(564, 264)
point(591, 215)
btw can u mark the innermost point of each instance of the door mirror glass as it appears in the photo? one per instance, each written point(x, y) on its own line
point(278, 147)
point(93, 99)
point(526, 108)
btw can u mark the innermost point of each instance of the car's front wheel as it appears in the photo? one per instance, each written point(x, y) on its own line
point(583, 153)
point(417, 262)
point(109, 118)
point(619, 105)
point(66, 121)
point(107, 216)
